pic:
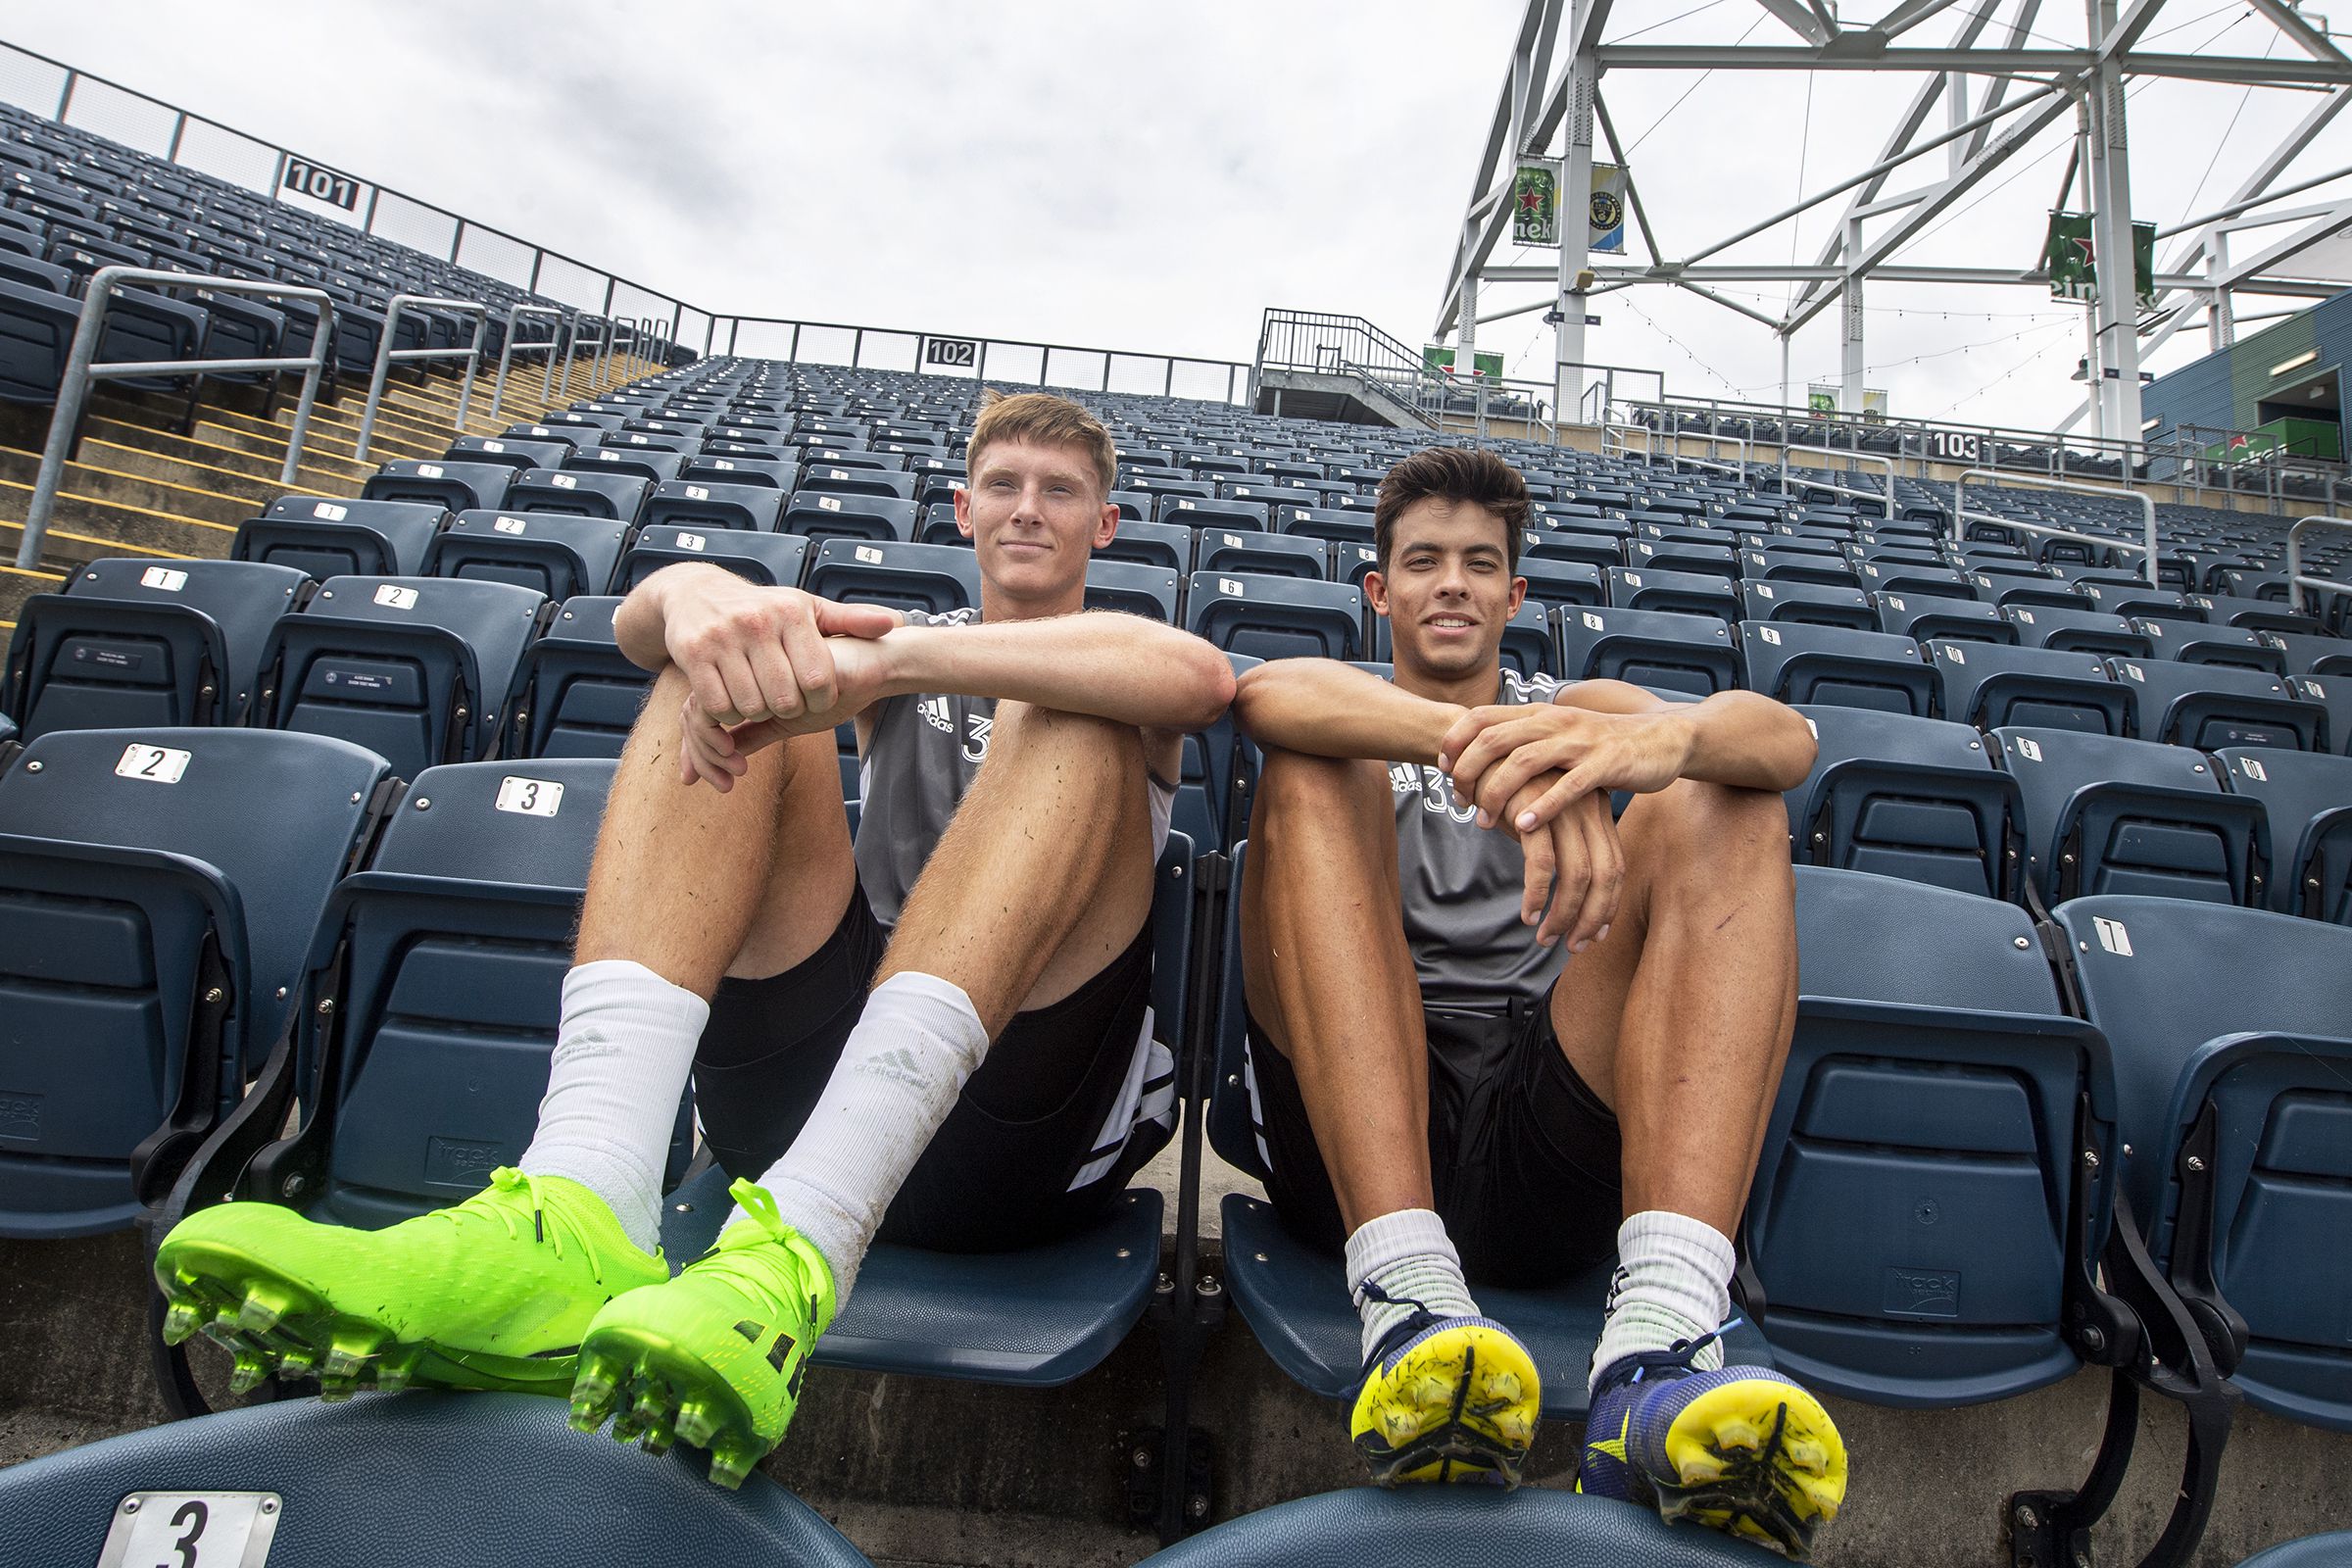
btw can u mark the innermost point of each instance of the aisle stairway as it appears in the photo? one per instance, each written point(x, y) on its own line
point(140, 488)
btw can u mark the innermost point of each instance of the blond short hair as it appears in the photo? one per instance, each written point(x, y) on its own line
point(1046, 420)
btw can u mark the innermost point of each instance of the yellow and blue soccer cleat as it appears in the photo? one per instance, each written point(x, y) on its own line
point(716, 1355)
point(493, 1292)
point(1446, 1400)
point(1743, 1449)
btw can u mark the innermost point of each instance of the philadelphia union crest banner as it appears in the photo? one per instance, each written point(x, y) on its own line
point(1607, 208)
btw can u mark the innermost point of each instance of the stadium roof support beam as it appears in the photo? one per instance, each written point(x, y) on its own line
point(1814, 29)
point(1866, 52)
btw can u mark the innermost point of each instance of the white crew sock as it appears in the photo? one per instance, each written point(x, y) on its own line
point(623, 1053)
point(1673, 1285)
point(900, 1072)
point(1410, 1256)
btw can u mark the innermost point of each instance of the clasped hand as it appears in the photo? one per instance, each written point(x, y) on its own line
point(762, 664)
point(1545, 772)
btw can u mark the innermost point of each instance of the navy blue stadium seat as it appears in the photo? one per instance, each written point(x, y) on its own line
point(157, 889)
point(1916, 797)
point(1036, 1317)
point(414, 668)
point(1680, 593)
point(774, 560)
point(1296, 1299)
point(579, 493)
point(1799, 663)
point(642, 462)
point(450, 486)
point(2333, 698)
point(1925, 618)
point(1552, 583)
point(577, 695)
point(848, 515)
point(1809, 603)
point(2232, 1050)
point(701, 503)
point(774, 474)
point(1228, 550)
point(2314, 655)
point(828, 479)
point(1323, 522)
point(2104, 815)
point(1458, 1524)
point(2211, 707)
point(1275, 617)
point(1780, 563)
point(2330, 1550)
point(515, 452)
point(1151, 544)
point(2306, 798)
point(553, 556)
point(37, 333)
point(1137, 590)
point(932, 579)
point(2077, 630)
point(1917, 1212)
point(1671, 555)
point(1648, 648)
point(135, 641)
point(2196, 642)
point(322, 1466)
point(335, 538)
point(1990, 685)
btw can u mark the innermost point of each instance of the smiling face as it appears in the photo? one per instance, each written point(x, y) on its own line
point(1035, 512)
point(1449, 591)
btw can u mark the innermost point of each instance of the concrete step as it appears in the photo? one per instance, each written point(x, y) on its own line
point(205, 495)
point(16, 586)
point(83, 529)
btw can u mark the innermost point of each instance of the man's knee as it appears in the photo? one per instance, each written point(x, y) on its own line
point(1076, 746)
point(1716, 834)
point(1291, 784)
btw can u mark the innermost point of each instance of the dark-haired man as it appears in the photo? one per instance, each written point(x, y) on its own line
point(938, 1034)
point(1447, 1098)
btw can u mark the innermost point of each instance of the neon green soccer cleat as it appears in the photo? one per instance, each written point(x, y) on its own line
point(492, 1294)
point(716, 1355)
point(1446, 1400)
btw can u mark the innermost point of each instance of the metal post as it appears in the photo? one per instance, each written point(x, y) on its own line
point(1852, 351)
point(1784, 405)
point(385, 355)
point(2110, 179)
point(1576, 224)
point(2296, 582)
point(2221, 325)
point(64, 96)
point(179, 128)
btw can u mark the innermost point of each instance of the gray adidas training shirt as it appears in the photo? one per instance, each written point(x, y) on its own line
point(921, 756)
point(1461, 885)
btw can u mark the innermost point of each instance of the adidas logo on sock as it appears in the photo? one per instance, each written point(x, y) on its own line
point(897, 1064)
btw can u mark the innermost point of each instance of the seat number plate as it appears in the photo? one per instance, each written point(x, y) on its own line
point(530, 797)
point(392, 596)
point(159, 763)
point(192, 1530)
point(164, 578)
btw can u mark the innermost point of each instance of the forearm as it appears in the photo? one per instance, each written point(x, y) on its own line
point(1322, 707)
point(638, 625)
point(1111, 666)
point(1747, 741)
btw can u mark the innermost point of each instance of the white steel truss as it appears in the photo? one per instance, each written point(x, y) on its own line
point(1996, 82)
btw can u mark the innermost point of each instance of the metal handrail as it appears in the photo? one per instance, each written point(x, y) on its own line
point(571, 353)
point(506, 353)
point(1625, 447)
point(385, 354)
point(1675, 460)
point(2296, 582)
point(1841, 489)
point(73, 387)
point(1961, 515)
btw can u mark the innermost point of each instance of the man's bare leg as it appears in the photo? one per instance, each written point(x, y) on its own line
point(1329, 975)
point(687, 884)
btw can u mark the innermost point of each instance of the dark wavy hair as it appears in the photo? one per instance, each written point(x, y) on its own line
point(1458, 475)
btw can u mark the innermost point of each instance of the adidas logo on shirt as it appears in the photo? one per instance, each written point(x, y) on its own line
point(937, 713)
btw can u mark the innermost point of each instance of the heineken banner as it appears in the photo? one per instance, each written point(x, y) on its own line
point(1536, 205)
point(2069, 255)
point(1439, 359)
point(1608, 208)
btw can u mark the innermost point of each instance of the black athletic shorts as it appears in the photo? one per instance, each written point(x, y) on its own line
point(997, 1174)
point(1523, 1156)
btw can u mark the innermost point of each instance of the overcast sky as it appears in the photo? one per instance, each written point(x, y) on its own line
point(1151, 177)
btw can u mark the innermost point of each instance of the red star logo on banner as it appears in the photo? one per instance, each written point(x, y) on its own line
point(1532, 202)
point(2089, 256)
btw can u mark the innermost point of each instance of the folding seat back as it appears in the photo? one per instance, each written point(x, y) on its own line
point(837, 479)
point(137, 642)
point(1942, 582)
point(157, 889)
point(2209, 706)
point(512, 451)
point(581, 493)
point(2330, 1550)
point(1132, 588)
point(1656, 555)
point(1990, 685)
point(2129, 600)
point(144, 327)
point(414, 668)
point(1648, 647)
point(2104, 815)
point(1323, 522)
point(1207, 512)
point(334, 538)
point(1914, 797)
point(1276, 617)
point(1680, 593)
point(36, 334)
point(771, 472)
point(1151, 544)
point(1784, 562)
point(2196, 642)
point(2077, 631)
point(1552, 583)
point(2233, 1052)
point(1796, 663)
point(700, 504)
point(577, 695)
point(644, 461)
point(2306, 799)
point(1600, 550)
point(2256, 614)
point(1222, 549)
point(444, 960)
point(569, 437)
point(1927, 618)
point(936, 579)
point(2333, 698)
point(1808, 604)
point(1919, 1208)
point(826, 516)
point(555, 557)
point(450, 486)
point(771, 559)
point(2313, 655)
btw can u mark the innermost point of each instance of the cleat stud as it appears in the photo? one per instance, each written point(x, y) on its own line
point(730, 1463)
point(626, 1430)
point(695, 1423)
point(658, 1438)
point(223, 1328)
point(182, 1320)
point(261, 1311)
point(334, 1391)
point(250, 1374)
point(295, 1366)
point(650, 1409)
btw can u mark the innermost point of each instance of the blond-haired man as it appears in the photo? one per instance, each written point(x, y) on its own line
point(935, 1034)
